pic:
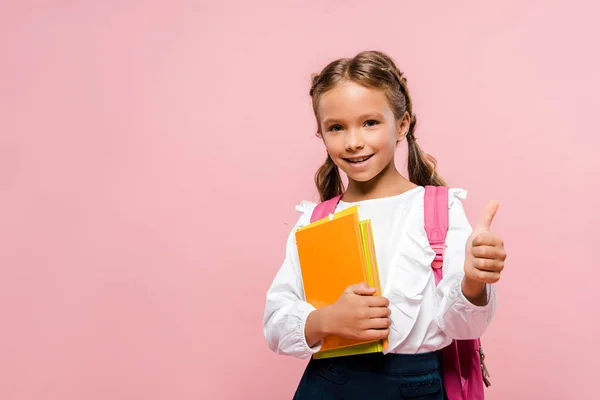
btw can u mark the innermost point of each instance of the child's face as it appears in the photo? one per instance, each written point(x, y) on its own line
point(359, 129)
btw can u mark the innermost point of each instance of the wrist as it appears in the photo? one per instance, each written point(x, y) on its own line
point(317, 327)
point(474, 291)
point(323, 321)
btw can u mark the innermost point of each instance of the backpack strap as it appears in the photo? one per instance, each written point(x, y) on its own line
point(436, 225)
point(463, 367)
point(325, 208)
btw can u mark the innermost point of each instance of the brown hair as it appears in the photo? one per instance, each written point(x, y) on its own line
point(376, 70)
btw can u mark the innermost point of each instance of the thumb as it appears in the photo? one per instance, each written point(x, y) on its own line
point(485, 222)
point(360, 289)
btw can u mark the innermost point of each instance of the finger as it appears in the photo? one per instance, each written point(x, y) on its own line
point(360, 289)
point(377, 301)
point(485, 222)
point(489, 265)
point(374, 334)
point(378, 323)
point(486, 277)
point(487, 239)
point(491, 252)
point(379, 312)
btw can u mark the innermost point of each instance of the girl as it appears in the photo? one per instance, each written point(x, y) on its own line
point(363, 110)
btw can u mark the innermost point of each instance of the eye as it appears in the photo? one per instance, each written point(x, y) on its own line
point(371, 123)
point(335, 128)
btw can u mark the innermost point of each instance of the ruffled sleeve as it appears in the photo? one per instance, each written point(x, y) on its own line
point(457, 316)
point(286, 310)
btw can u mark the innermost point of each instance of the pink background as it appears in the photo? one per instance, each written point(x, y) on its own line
point(151, 157)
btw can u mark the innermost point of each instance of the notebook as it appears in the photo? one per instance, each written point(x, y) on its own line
point(335, 253)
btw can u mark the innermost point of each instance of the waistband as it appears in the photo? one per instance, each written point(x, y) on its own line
point(403, 364)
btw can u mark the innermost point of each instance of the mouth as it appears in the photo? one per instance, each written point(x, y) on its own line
point(358, 160)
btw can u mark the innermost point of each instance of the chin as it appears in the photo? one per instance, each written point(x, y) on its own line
point(362, 177)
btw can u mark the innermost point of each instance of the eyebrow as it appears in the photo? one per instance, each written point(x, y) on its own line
point(377, 115)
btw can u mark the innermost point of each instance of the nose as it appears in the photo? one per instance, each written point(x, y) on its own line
point(354, 140)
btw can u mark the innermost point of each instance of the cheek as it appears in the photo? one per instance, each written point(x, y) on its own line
point(333, 144)
point(385, 142)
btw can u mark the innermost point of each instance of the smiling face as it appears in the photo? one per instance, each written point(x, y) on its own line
point(359, 130)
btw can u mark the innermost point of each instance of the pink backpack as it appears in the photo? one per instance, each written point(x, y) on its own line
point(464, 369)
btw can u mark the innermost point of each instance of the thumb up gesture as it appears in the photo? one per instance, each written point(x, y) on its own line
point(484, 256)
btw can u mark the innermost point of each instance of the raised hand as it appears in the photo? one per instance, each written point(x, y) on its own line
point(484, 255)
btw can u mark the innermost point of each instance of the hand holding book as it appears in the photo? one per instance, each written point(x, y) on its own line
point(357, 314)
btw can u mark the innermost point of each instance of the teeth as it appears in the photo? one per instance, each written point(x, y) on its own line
point(359, 159)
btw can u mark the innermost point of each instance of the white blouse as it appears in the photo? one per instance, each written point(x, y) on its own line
point(424, 318)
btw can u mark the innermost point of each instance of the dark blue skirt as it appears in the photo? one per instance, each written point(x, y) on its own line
point(374, 376)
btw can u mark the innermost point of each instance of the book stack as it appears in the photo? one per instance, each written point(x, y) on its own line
point(336, 252)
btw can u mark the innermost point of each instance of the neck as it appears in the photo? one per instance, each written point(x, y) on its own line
point(389, 182)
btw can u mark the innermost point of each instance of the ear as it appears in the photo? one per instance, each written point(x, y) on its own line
point(319, 132)
point(402, 126)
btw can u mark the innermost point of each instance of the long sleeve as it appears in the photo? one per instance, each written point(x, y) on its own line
point(457, 316)
point(286, 310)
